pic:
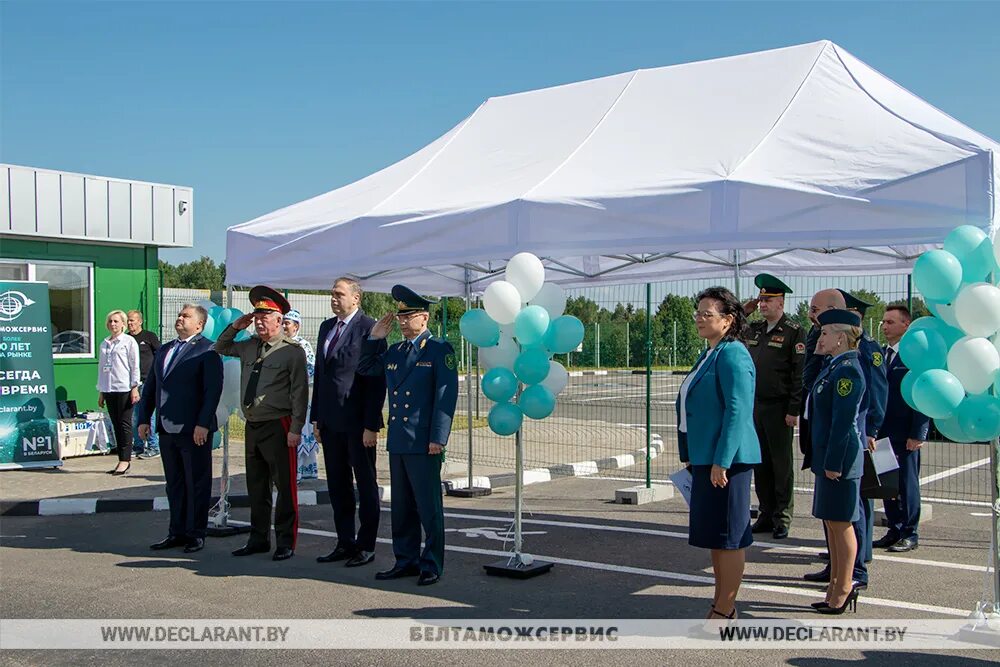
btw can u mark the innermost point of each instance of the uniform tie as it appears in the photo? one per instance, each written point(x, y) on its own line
point(406, 347)
point(889, 354)
point(251, 393)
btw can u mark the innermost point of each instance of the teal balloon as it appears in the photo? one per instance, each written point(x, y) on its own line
point(564, 334)
point(214, 311)
point(938, 275)
point(973, 249)
point(538, 346)
point(243, 335)
point(949, 333)
point(531, 366)
point(531, 324)
point(208, 331)
point(537, 402)
point(951, 429)
point(923, 349)
point(906, 388)
point(505, 419)
point(937, 393)
point(479, 328)
point(499, 385)
point(224, 318)
point(979, 417)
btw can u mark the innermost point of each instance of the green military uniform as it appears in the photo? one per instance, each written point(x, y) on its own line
point(778, 355)
point(274, 405)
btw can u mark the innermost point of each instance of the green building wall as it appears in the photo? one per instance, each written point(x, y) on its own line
point(125, 278)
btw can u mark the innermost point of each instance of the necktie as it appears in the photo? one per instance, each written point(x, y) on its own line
point(174, 353)
point(338, 328)
point(406, 347)
point(889, 354)
point(251, 393)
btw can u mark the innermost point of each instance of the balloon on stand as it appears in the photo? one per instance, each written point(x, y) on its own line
point(530, 325)
point(526, 273)
point(975, 362)
point(552, 298)
point(973, 249)
point(951, 429)
point(977, 309)
point(207, 304)
point(225, 317)
point(243, 335)
point(479, 328)
point(499, 384)
point(564, 335)
point(906, 388)
point(230, 384)
point(979, 417)
point(950, 334)
point(532, 366)
point(501, 355)
point(937, 393)
point(938, 275)
point(945, 312)
point(537, 402)
point(557, 379)
point(505, 418)
point(922, 350)
point(502, 302)
point(208, 331)
point(222, 415)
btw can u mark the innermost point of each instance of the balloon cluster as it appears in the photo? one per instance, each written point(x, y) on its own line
point(520, 329)
point(954, 358)
point(218, 319)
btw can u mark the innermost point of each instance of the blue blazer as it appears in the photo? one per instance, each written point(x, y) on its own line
point(836, 415)
point(423, 390)
point(719, 409)
point(186, 396)
point(344, 400)
point(876, 384)
point(901, 421)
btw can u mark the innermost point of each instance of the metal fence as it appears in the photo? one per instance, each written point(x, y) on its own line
point(601, 415)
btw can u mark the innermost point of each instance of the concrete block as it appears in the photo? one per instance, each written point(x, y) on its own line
point(640, 495)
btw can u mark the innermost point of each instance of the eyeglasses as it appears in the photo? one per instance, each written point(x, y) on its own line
point(705, 314)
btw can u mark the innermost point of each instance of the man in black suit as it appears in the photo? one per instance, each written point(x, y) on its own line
point(907, 430)
point(347, 416)
point(183, 389)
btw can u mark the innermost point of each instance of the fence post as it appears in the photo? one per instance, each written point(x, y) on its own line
point(628, 347)
point(909, 291)
point(597, 344)
point(649, 380)
point(673, 349)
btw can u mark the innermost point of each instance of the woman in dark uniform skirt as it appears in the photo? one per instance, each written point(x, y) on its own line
point(717, 438)
point(834, 406)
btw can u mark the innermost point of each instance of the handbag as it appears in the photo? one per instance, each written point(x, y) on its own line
point(873, 485)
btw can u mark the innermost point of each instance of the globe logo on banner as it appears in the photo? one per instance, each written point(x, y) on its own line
point(12, 304)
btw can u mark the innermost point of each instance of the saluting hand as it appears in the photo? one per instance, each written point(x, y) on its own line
point(719, 478)
point(243, 322)
point(383, 327)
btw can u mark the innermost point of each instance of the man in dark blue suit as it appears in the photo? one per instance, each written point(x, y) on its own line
point(347, 416)
point(183, 389)
point(422, 377)
point(907, 430)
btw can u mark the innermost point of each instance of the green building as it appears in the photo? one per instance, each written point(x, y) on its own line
point(95, 241)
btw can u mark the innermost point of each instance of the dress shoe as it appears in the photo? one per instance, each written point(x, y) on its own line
point(823, 576)
point(887, 541)
point(427, 578)
point(248, 549)
point(360, 558)
point(194, 544)
point(282, 553)
point(169, 543)
point(762, 526)
point(780, 532)
point(398, 572)
point(340, 553)
point(123, 471)
point(904, 545)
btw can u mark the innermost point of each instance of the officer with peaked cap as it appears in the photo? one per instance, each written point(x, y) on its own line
point(422, 379)
point(777, 347)
point(274, 394)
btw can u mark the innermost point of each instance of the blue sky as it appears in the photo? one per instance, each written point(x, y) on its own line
point(258, 105)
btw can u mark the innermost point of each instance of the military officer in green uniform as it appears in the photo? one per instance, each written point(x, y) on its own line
point(274, 393)
point(421, 375)
point(777, 346)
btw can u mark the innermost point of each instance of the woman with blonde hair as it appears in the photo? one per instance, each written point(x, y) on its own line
point(118, 385)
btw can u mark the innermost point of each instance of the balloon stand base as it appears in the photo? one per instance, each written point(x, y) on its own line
point(514, 568)
point(470, 492)
point(226, 530)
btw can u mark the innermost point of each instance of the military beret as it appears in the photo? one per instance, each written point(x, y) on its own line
point(265, 299)
point(838, 316)
point(854, 303)
point(771, 286)
point(408, 301)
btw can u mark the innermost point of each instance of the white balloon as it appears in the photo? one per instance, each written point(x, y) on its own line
point(222, 415)
point(501, 355)
point(557, 378)
point(975, 362)
point(552, 298)
point(230, 399)
point(977, 309)
point(502, 302)
point(526, 273)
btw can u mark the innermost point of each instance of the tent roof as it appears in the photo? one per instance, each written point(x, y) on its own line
point(797, 160)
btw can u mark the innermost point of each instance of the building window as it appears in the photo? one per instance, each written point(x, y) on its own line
point(71, 302)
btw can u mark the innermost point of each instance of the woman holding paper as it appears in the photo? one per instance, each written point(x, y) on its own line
point(833, 408)
point(717, 438)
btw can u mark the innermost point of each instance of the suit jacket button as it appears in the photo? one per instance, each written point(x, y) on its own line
point(395, 393)
point(406, 405)
point(393, 405)
point(406, 419)
point(407, 393)
point(393, 418)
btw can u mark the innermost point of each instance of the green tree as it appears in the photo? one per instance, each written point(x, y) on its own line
point(583, 308)
point(801, 315)
point(683, 347)
point(199, 274)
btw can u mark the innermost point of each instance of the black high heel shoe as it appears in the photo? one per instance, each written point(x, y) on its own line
point(851, 601)
point(119, 473)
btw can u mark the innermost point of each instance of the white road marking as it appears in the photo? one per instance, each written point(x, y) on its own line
point(953, 471)
point(58, 506)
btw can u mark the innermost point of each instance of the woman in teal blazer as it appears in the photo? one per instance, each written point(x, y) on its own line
point(716, 437)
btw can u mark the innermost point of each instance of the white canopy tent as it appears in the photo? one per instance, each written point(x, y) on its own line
point(801, 160)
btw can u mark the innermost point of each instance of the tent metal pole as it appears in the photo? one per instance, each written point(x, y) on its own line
point(468, 374)
point(736, 274)
point(649, 382)
point(995, 540)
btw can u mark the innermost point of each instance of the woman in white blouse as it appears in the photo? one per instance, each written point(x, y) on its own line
point(118, 385)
